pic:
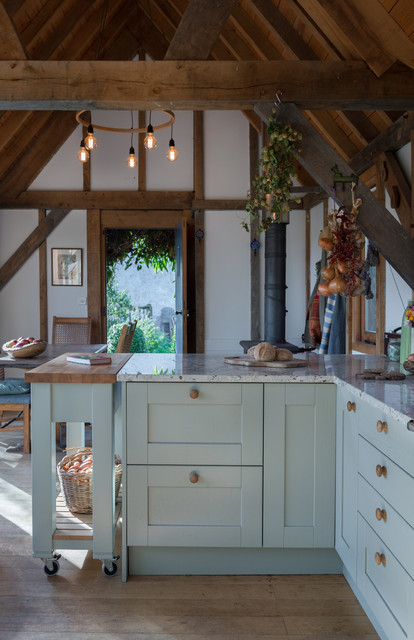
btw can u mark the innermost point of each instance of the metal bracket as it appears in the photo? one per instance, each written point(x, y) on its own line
point(339, 178)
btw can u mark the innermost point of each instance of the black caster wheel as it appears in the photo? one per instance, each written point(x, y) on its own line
point(110, 572)
point(54, 570)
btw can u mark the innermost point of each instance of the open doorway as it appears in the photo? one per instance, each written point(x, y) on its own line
point(145, 281)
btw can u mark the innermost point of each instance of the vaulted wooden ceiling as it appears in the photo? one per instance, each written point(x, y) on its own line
point(347, 65)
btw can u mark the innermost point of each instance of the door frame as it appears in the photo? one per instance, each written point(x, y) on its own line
point(97, 223)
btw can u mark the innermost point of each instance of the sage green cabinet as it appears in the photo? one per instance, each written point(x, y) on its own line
point(348, 409)
point(194, 464)
point(299, 465)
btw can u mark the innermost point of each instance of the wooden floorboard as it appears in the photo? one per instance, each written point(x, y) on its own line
point(80, 602)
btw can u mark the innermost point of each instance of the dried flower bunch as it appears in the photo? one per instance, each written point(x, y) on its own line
point(270, 191)
point(343, 241)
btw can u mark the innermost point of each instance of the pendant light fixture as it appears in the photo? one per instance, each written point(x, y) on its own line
point(83, 153)
point(150, 141)
point(132, 160)
point(90, 140)
point(172, 153)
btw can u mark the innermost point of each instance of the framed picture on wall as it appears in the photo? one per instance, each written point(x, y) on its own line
point(67, 267)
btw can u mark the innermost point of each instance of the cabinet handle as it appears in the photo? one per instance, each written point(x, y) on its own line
point(351, 406)
point(381, 471)
point(381, 514)
point(193, 477)
point(380, 558)
point(194, 393)
point(382, 426)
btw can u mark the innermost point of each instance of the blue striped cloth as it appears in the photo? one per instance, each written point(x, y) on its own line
point(327, 322)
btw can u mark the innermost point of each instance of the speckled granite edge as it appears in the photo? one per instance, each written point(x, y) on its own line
point(396, 398)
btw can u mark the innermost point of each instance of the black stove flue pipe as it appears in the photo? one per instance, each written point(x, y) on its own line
point(275, 284)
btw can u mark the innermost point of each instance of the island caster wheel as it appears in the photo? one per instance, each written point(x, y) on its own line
point(52, 566)
point(110, 568)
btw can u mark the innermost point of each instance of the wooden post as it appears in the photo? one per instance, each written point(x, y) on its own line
point(380, 280)
point(93, 231)
point(43, 284)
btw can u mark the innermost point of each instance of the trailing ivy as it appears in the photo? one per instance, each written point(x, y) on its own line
point(277, 168)
point(138, 247)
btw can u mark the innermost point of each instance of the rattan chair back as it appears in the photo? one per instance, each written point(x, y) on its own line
point(125, 338)
point(71, 330)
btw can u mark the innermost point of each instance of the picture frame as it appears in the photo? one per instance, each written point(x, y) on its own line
point(67, 267)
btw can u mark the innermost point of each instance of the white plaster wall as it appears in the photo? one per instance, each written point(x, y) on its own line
point(227, 283)
point(19, 299)
point(227, 244)
point(67, 300)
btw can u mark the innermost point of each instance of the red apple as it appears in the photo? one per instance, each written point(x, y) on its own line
point(30, 339)
point(22, 342)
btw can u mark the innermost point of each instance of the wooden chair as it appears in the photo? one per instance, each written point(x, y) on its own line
point(18, 403)
point(71, 330)
point(125, 338)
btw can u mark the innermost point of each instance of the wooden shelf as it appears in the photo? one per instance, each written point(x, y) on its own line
point(76, 526)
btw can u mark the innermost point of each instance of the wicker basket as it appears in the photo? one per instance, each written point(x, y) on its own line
point(27, 351)
point(77, 487)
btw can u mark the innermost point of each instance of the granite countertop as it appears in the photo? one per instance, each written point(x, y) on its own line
point(396, 395)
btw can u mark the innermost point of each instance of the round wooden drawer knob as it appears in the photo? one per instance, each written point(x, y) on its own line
point(381, 514)
point(381, 471)
point(193, 477)
point(380, 558)
point(351, 406)
point(382, 427)
point(194, 393)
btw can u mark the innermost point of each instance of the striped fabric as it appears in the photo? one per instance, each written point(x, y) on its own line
point(327, 322)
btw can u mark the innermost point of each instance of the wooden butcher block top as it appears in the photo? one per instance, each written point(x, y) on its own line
point(59, 370)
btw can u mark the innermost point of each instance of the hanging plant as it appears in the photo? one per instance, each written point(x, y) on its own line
point(139, 247)
point(270, 191)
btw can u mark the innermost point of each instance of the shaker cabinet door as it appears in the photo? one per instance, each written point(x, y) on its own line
point(299, 465)
point(195, 506)
point(348, 408)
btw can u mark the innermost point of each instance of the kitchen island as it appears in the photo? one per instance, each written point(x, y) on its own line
point(236, 469)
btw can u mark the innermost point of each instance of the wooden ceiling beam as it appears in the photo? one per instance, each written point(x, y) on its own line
point(281, 29)
point(199, 30)
point(39, 199)
point(11, 47)
point(202, 84)
point(398, 187)
point(369, 32)
point(395, 137)
point(318, 157)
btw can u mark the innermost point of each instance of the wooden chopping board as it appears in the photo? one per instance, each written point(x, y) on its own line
point(248, 361)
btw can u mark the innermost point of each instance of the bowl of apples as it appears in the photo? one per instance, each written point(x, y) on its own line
point(24, 347)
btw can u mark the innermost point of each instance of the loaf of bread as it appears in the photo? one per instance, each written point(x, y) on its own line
point(263, 351)
point(283, 354)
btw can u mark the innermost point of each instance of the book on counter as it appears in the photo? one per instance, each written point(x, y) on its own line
point(89, 358)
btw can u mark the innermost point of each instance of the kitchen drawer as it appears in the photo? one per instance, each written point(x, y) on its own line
point(222, 508)
point(387, 588)
point(397, 486)
point(393, 530)
point(221, 424)
point(388, 434)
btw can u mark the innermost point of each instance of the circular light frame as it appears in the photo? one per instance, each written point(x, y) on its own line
point(80, 118)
